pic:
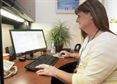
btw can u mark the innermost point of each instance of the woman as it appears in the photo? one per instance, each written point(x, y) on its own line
point(98, 55)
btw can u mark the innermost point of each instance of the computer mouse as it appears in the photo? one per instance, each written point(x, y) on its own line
point(22, 59)
point(62, 53)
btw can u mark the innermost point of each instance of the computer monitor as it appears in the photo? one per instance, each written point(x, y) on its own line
point(28, 40)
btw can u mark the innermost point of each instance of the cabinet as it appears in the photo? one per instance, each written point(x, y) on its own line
point(28, 7)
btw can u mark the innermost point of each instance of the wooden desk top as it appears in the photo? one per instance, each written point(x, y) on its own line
point(24, 76)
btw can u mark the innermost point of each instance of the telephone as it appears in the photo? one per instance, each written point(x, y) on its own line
point(9, 68)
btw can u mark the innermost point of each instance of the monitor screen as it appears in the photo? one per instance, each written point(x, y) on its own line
point(27, 40)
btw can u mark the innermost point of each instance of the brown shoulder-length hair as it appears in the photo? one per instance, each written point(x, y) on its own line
point(98, 12)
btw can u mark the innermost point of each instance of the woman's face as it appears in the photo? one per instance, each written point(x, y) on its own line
point(84, 20)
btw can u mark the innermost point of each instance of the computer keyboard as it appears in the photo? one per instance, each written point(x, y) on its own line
point(44, 59)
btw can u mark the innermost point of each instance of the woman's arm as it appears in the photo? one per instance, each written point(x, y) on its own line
point(53, 71)
point(64, 76)
point(69, 54)
point(74, 55)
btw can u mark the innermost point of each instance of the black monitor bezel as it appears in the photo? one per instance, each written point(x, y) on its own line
point(41, 49)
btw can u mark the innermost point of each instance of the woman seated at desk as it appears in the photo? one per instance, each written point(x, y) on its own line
point(98, 54)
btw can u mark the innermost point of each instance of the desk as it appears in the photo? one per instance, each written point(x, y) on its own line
point(24, 76)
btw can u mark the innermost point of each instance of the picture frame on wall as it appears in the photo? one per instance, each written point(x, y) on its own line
point(66, 6)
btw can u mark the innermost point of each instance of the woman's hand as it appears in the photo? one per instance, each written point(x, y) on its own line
point(53, 71)
point(46, 70)
point(64, 53)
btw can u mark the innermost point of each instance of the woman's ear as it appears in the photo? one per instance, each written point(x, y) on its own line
point(90, 16)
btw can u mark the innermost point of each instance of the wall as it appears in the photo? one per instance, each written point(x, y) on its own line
point(46, 17)
point(111, 8)
point(6, 40)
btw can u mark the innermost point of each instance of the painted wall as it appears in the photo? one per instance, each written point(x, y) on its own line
point(46, 17)
point(111, 8)
point(6, 40)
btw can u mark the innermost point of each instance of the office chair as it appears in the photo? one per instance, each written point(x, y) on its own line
point(68, 68)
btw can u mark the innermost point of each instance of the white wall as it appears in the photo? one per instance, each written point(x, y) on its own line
point(111, 8)
point(46, 17)
point(6, 40)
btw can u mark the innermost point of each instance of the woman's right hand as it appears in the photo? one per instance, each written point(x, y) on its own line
point(64, 53)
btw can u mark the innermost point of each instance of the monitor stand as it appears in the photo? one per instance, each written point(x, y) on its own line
point(30, 56)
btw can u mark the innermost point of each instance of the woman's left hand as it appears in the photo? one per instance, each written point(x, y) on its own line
point(46, 70)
